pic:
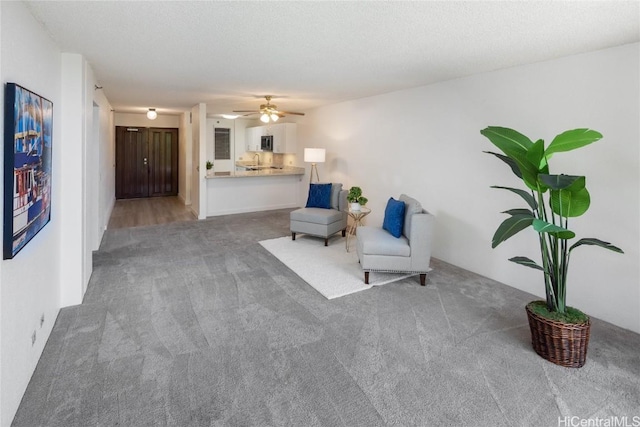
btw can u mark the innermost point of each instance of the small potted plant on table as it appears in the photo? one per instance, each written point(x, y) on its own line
point(559, 333)
point(356, 198)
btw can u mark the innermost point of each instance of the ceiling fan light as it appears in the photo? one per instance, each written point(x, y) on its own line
point(264, 118)
point(151, 114)
point(274, 117)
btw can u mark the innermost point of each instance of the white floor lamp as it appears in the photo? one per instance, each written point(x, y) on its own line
point(313, 156)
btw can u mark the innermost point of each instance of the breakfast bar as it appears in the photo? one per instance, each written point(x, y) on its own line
point(262, 189)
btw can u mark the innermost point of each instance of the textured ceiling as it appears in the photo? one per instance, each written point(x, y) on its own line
point(173, 55)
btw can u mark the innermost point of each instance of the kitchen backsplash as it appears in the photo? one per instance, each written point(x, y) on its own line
point(276, 159)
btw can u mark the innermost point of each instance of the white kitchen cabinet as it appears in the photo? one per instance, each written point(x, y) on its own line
point(285, 139)
point(252, 138)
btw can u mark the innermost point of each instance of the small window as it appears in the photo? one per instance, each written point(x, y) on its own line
point(222, 144)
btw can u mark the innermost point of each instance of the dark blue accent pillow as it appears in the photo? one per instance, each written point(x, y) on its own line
point(394, 217)
point(319, 196)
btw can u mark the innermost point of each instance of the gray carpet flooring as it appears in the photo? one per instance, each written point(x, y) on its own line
point(195, 324)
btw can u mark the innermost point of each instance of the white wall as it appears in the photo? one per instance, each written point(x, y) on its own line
point(72, 210)
point(29, 283)
point(426, 142)
point(106, 161)
point(99, 161)
point(53, 269)
point(185, 158)
point(132, 119)
point(86, 203)
point(240, 127)
point(198, 165)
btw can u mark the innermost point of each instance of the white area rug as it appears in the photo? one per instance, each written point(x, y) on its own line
point(330, 270)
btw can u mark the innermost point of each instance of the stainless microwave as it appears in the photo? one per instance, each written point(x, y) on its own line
point(266, 143)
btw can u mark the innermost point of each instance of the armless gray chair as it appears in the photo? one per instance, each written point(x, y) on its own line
point(319, 221)
point(378, 250)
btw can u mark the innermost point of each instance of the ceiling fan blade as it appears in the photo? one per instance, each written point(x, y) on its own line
point(291, 112)
point(246, 111)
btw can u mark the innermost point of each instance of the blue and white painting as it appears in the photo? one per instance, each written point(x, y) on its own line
point(28, 142)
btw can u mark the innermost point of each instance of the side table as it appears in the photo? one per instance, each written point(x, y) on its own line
point(357, 217)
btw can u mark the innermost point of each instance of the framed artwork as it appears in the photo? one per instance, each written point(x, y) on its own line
point(28, 138)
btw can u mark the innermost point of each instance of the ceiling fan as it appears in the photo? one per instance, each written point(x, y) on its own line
point(268, 112)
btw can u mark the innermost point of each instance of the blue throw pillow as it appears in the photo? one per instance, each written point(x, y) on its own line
point(319, 196)
point(394, 217)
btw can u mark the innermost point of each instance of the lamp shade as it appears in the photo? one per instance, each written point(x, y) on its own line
point(314, 155)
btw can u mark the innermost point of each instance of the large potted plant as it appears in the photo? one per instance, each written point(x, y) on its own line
point(559, 333)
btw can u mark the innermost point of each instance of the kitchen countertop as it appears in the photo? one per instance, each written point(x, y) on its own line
point(263, 171)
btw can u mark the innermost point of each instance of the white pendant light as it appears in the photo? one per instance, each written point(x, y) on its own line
point(151, 114)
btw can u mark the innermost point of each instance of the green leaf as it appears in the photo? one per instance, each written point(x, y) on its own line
point(560, 182)
point(535, 154)
point(516, 146)
point(508, 140)
point(544, 227)
point(509, 227)
point(572, 139)
point(527, 262)
point(525, 195)
point(519, 212)
point(568, 203)
point(512, 164)
point(596, 242)
point(569, 197)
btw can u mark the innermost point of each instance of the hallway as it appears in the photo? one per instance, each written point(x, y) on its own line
point(149, 211)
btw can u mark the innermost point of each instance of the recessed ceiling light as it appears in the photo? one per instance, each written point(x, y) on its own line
point(230, 116)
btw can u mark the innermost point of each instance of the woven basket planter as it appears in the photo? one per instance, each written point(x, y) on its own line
point(564, 344)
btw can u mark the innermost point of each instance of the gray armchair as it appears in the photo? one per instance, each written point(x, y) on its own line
point(319, 221)
point(378, 250)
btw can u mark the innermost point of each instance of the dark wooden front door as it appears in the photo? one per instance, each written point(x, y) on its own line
point(146, 162)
